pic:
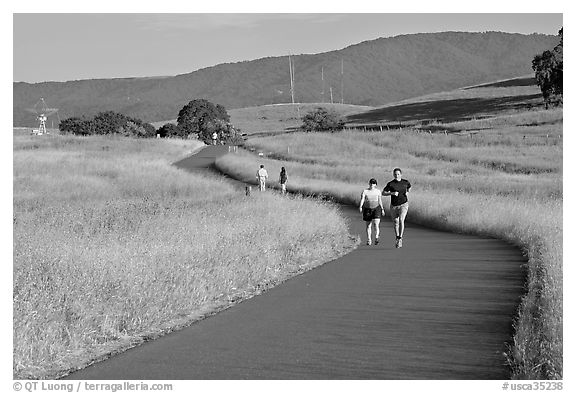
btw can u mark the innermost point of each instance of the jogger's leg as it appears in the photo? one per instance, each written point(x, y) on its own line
point(403, 213)
point(369, 232)
point(397, 226)
point(377, 227)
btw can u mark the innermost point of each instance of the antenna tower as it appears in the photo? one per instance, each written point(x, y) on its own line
point(42, 112)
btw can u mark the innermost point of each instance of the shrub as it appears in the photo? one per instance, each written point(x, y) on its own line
point(107, 123)
point(170, 130)
point(322, 119)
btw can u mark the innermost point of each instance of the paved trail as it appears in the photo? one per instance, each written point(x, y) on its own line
point(439, 308)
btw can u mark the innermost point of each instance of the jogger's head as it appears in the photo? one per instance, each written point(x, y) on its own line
point(372, 183)
point(397, 172)
point(261, 166)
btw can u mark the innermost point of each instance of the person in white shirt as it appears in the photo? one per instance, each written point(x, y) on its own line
point(372, 210)
point(262, 176)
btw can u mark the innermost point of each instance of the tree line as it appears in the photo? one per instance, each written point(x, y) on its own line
point(198, 119)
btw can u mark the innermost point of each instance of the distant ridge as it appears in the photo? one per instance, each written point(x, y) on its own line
point(376, 72)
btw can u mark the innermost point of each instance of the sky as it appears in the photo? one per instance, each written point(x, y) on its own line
point(71, 46)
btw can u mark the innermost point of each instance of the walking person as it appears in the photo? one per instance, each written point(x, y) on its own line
point(398, 189)
point(214, 138)
point(283, 180)
point(262, 176)
point(372, 210)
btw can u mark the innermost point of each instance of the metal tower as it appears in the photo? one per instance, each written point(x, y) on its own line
point(42, 112)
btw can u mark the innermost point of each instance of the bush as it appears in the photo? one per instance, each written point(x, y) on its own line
point(170, 130)
point(76, 126)
point(322, 119)
point(107, 123)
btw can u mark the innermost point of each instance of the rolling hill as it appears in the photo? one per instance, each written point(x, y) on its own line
point(376, 72)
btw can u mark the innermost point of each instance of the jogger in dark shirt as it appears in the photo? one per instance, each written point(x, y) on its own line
point(398, 190)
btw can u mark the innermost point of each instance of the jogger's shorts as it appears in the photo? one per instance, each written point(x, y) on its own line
point(399, 211)
point(371, 214)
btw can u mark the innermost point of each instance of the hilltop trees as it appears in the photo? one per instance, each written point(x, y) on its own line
point(322, 119)
point(202, 117)
point(548, 69)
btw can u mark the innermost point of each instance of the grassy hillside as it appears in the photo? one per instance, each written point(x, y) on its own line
point(279, 117)
point(496, 98)
point(375, 72)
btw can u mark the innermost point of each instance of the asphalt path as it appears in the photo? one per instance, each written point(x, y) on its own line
point(441, 307)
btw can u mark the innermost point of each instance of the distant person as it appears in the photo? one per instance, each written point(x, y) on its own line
point(262, 176)
point(372, 210)
point(283, 180)
point(214, 138)
point(398, 190)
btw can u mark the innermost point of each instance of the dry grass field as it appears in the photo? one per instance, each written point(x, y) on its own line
point(504, 181)
point(114, 246)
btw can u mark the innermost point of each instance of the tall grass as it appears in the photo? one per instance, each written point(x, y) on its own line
point(113, 246)
point(453, 190)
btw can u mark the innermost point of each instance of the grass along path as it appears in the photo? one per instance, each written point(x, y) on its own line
point(113, 246)
point(457, 196)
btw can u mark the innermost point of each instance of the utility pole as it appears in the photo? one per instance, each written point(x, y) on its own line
point(342, 82)
point(322, 84)
point(291, 78)
point(291, 64)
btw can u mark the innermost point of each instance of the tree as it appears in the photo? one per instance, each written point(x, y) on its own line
point(199, 117)
point(548, 69)
point(322, 119)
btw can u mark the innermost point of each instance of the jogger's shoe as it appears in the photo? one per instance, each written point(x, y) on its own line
point(376, 242)
point(399, 243)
